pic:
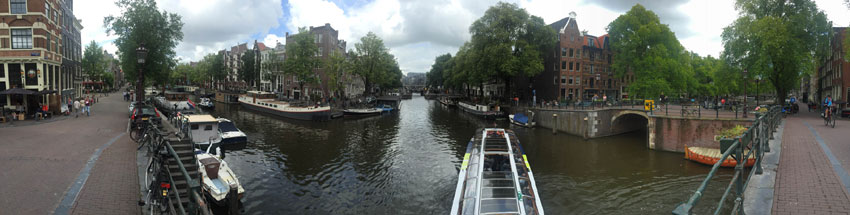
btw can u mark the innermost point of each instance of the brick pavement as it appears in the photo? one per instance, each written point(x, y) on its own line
point(40, 162)
point(806, 182)
point(112, 186)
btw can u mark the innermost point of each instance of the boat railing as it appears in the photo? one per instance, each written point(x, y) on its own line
point(756, 138)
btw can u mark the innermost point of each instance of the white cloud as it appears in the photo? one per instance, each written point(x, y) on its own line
point(271, 40)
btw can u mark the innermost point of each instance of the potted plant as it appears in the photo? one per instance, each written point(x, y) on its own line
point(727, 137)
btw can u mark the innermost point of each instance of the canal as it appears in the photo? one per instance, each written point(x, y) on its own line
point(407, 163)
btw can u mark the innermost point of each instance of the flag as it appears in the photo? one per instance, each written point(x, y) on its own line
point(191, 104)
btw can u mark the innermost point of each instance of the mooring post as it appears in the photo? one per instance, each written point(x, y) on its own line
point(233, 199)
point(557, 123)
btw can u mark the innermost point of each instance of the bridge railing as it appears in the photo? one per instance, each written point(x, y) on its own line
point(755, 139)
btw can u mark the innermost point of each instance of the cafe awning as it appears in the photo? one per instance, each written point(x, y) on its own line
point(17, 91)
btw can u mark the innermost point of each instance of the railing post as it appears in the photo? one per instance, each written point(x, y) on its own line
point(739, 183)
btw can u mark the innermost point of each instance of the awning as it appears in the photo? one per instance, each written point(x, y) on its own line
point(44, 92)
point(17, 91)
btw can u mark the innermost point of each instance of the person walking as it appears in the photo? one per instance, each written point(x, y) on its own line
point(77, 109)
point(88, 106)
point(70, 107)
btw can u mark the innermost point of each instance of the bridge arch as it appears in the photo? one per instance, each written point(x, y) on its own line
point(632, 120)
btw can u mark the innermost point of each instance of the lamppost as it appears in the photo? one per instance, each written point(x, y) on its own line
point(745, 94)
point(141, 53)
point(758, 94)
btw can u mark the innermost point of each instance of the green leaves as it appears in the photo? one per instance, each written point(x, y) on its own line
point(93, 63)
point(778, 40)
point(301, 58)
point(651, 51)
point(141, 22)
point(248, 71)
point(435, 75)
point(372, 61)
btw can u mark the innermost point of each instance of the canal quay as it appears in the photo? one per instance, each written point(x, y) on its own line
point(407, 163)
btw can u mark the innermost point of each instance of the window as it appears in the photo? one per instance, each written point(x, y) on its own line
point(49, 45)
point(18, 6)
point(563, 52)
point(194, 127)
point(578, 68)
point(47, 10)
point(321, 50)
point(571, 52)
point(22, 38)
point(563, 65)
point(555, 79)
point(207, 127)
point(571, 82)
point(571, 66)
point(563, 79)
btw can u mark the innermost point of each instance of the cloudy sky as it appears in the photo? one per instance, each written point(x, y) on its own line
point(416, 31)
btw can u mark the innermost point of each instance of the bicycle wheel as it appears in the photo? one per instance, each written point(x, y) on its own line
point(832, 118)
point(134, 134)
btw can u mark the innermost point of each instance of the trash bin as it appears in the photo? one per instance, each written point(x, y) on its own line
point(211, 166)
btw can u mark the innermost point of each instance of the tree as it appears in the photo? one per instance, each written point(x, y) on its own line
point(216, 71)
point(651, 51)
point(372, 61)
point(508, 42)
point(435, 75)
point(141, 22)
point(777, 40)
point(335, 69)
point(301, 59)
point(93, 65)
point(248, 69)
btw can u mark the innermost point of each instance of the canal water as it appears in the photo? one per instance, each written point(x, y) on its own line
point(407, 163)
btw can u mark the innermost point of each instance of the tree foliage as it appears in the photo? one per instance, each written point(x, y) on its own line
point(651, 51)
point(336, 67)
point(434, 77)
point(248, 68)
point(372, 61)
point(93, 62)
point(301, 59)
point(507, 42)
point(777, 40)
point(141, 22)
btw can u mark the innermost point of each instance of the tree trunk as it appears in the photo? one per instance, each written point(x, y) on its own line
point(781, 93)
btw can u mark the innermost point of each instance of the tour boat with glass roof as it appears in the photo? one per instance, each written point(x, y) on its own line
point(495, 177)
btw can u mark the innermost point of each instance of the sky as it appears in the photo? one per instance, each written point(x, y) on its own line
point(415, 31)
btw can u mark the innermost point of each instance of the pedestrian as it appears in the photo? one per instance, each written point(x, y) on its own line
point(70, 107)
point(77, 108)
point(88, 106)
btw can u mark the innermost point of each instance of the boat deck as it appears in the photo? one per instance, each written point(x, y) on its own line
point(495, 177)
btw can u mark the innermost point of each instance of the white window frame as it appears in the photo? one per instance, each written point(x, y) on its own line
point(12, 38)
point(12, 11)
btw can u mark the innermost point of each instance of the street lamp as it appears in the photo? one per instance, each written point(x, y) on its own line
point(745, 94)
point(141, 54)
point(758, 94)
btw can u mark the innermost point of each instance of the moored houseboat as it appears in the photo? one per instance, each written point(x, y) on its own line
point(363, 111)
point(710, 156)
point(231, 137)
point(488, 112)
point(495, 177)
point(265, 102)
point(202, 129)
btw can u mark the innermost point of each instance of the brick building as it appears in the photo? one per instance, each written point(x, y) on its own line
point(32, 50)
point(833, 76)
point(327, 39)
point(71, 69)
point(577, 68)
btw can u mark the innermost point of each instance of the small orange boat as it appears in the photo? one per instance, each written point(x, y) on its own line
point(710, 156)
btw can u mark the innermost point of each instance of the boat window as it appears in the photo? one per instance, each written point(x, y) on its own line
point(194, 127)
point(498, 206)
point(207, 127)
point(275, 105)
point(227, 127)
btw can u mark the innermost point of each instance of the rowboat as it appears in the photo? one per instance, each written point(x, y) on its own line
point(362, 111)
point(217, 177)
point(710, 156)
point(495, 177)
point(522, 120)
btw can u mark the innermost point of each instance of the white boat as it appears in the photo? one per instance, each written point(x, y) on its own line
point(217, 178)
point(362, 111)
point(265, 102)
point(231, 136)
point(495, 177)
point(206, 103)
point(202, 130)
point(523, 120)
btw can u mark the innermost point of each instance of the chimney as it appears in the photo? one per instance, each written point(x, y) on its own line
point(572, 15)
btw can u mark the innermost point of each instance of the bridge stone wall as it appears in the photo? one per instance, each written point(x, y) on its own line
point(665, 133)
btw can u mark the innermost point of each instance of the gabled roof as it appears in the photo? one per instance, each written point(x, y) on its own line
point(560, 24)
point(261, 46)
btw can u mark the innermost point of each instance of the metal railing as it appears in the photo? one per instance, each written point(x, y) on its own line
point(756, 139)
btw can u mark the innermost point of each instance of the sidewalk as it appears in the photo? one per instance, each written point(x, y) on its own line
point(74, 164)
point(808, 182)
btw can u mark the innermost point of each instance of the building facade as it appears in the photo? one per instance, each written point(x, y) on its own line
point(70, 81)
point(577, 68)
point(833, 76)
point(327, 39)
point(31, 52)
point(271, 79)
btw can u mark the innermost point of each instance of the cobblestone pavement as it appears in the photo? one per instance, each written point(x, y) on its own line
point(806, 182)
point(41, 162)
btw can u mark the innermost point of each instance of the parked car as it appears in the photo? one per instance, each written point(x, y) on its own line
point(144, 113)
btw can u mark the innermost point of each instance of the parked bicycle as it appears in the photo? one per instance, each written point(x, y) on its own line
point(156, 176)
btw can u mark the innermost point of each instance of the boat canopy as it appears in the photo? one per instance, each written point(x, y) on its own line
point(200, 118)
point(521, 118)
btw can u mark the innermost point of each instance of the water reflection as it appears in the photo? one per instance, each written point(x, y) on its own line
point(406, 163)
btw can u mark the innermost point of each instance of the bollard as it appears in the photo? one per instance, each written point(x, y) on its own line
point(557, 123)
point(233, 199)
